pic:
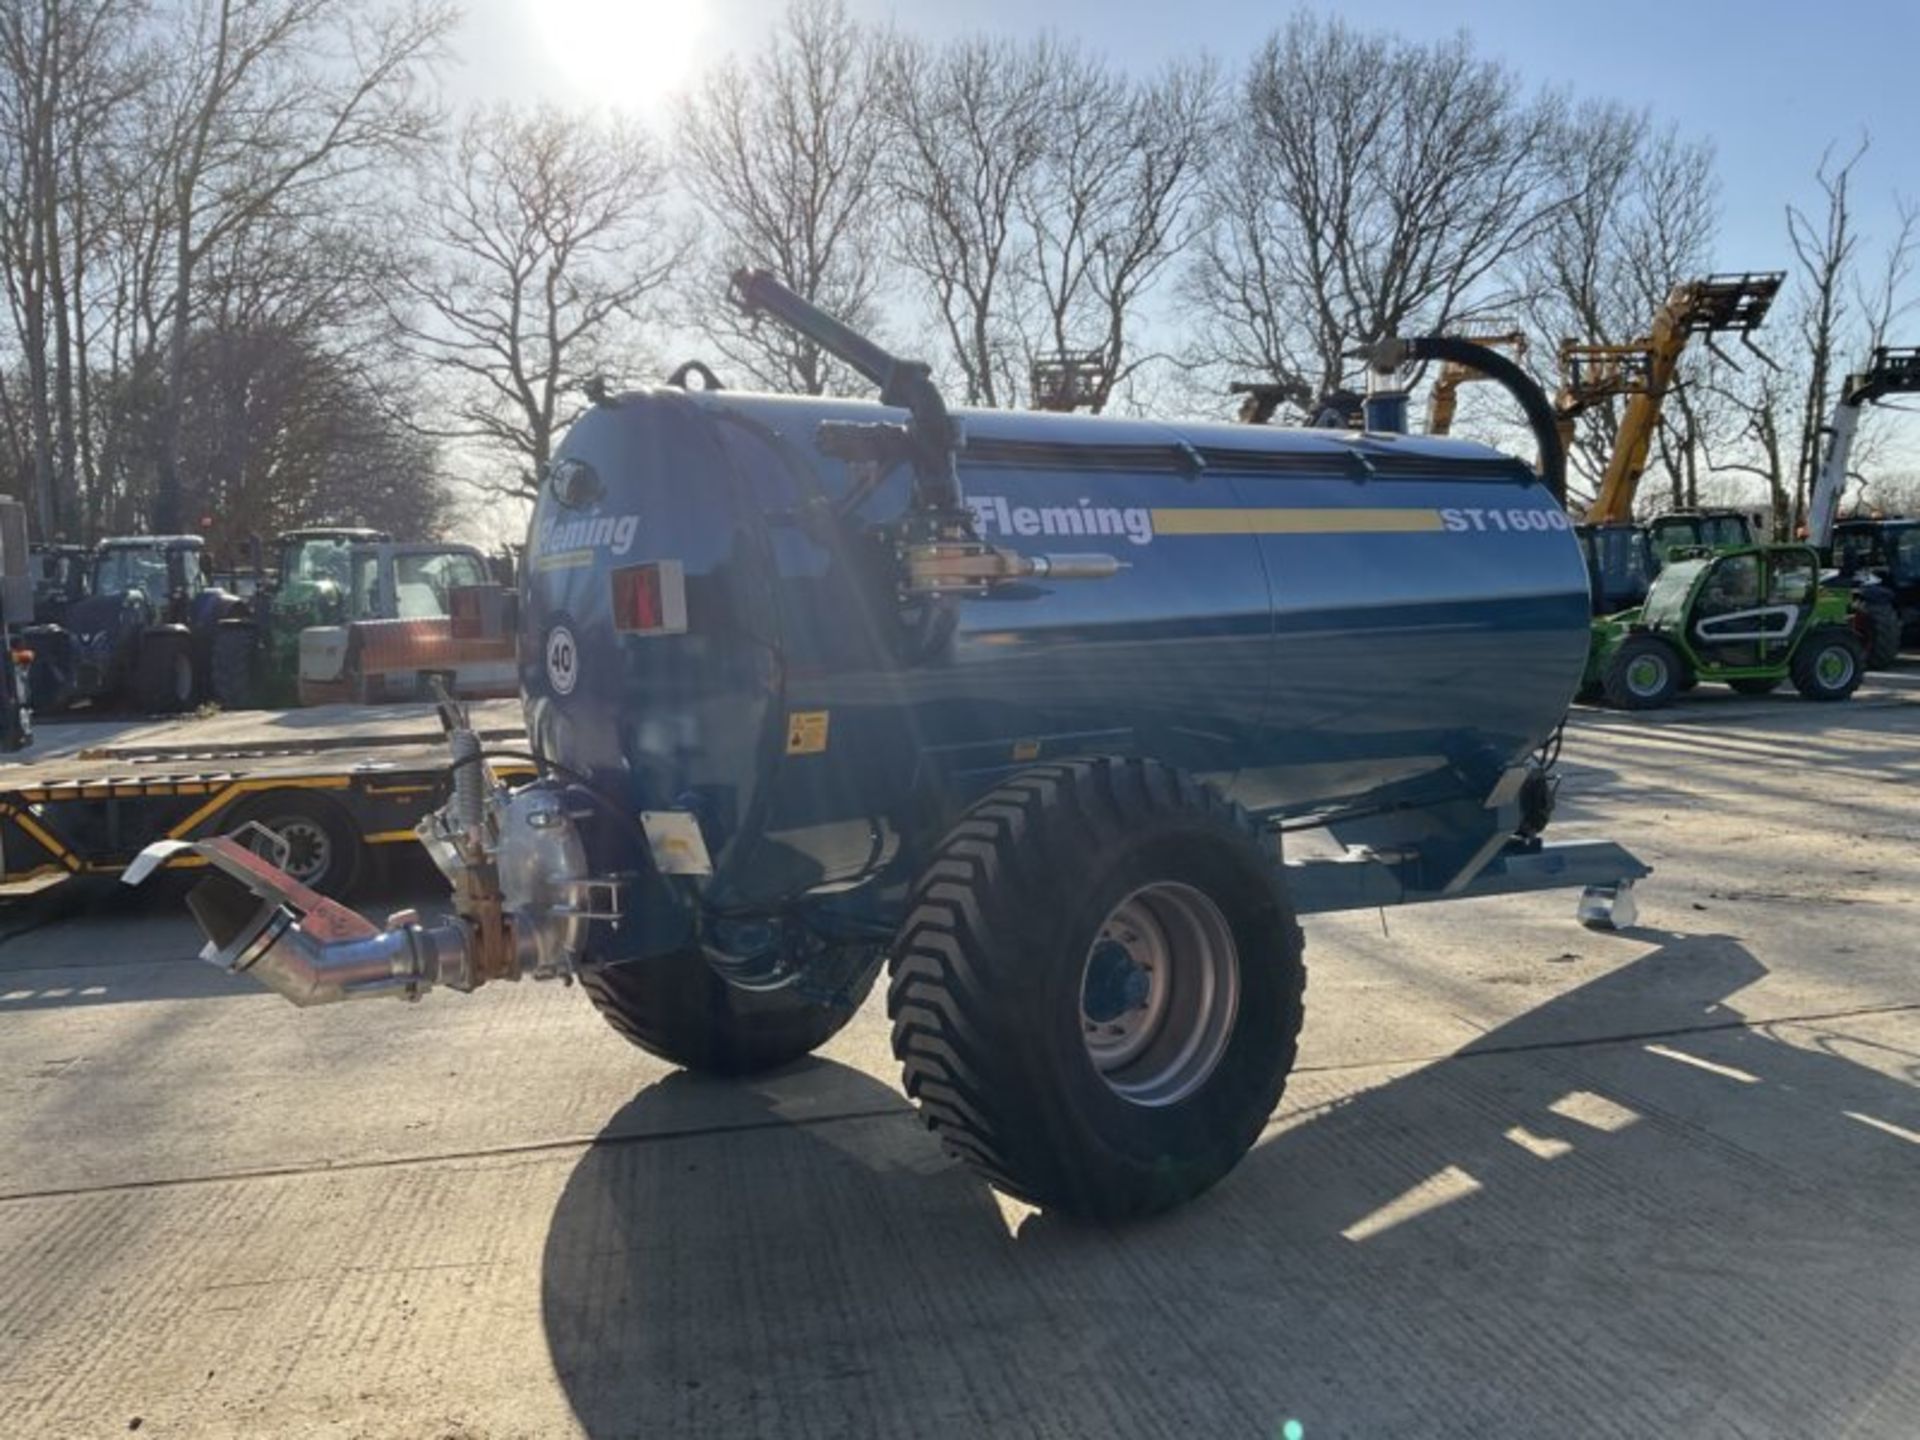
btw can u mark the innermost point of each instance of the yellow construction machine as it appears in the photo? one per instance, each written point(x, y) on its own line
point(1643, 371)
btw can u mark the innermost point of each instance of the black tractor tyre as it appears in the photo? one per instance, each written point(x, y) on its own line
point(1878, 626)
point(1756, 686)
point(1047, 1093)
point(1643, 674)
point(678, 1008)
point(44, 691)
point(324, 849)
point(230, 664)
point(163, 678)
point(1828, 663)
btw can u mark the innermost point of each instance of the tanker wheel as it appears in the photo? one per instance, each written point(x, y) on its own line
point(1643, 674)
point(163, 679)
point(678, 1008)
point(1828, 663)
point(1098, 989)
point(1877, 624)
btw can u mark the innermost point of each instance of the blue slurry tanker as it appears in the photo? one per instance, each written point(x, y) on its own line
point(1023, 707)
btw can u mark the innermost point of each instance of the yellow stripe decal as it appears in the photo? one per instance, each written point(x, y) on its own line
point(565, 560)
point(1399, 520)
point(389, 837)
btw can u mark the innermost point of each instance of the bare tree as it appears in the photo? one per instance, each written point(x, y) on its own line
point(547, 231)
point(1886, 494)
point(288, 401)
point(780, 154)
point(967, 132)
point(65, 68)
point(1638, 217)
point(1840, 310)
point(1369, 186)
point(279, 429)
point(1111, 202)
point(270, 107)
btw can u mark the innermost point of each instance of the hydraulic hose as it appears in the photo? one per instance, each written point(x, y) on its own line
point(1390, 355)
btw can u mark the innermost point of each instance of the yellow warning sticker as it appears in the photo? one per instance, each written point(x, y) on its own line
point(807, 732)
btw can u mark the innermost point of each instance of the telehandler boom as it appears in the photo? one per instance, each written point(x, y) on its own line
point(1643, 371)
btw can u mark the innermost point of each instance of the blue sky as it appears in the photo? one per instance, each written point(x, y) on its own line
point(1770, 83)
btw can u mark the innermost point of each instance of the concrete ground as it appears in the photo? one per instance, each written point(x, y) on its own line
point(1527, 1180)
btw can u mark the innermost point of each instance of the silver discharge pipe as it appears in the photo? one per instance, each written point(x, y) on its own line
point(522, 898)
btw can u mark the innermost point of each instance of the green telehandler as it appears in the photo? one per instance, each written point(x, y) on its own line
point(256, 658)
point(1750, 618)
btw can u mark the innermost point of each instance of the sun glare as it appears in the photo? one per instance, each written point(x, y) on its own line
point(634, 54)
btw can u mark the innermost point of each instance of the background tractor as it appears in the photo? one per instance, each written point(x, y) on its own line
point(59, 573)
point(399, 631)
point(1885, 553)
point(144, 633)
point(1869, 562)
point(1623, 557)
point(1749, 618)
point(256, 656)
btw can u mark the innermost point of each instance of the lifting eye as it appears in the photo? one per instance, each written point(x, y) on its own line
point(572, 482)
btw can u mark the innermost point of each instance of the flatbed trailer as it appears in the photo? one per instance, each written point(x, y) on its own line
point(334, 783)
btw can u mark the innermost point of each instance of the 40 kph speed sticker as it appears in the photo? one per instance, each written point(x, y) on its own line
point(563, 660)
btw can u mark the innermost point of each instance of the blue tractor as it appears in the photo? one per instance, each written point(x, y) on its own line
point(141, 635)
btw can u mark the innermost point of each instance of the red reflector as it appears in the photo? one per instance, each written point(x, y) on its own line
point(636, 598)
point(650, 599)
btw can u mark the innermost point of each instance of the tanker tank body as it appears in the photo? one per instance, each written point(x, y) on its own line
point(1298, 619)
point(1023, 704)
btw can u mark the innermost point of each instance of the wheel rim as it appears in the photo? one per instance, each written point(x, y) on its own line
point(1159, 991)
point(1646, 675)
point(1834, 668)
point(182, 678)
point(309, 847)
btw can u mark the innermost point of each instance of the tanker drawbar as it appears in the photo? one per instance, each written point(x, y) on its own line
point(1025, 708)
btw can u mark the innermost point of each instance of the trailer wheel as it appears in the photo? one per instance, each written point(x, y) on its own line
point(163, 679)
point(678, 1008)
point(230, 667)
point(1097, 993)
point(324, 850)
point(1829, 663)
point(1643, 674)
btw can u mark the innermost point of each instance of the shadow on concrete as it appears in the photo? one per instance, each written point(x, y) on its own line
point(1553, 1232)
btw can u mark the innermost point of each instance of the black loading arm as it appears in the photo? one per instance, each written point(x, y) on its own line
point(940, 552)
point(1390, 355)
point(931, 437)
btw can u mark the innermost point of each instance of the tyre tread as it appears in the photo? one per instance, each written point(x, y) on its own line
point(952, 962)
